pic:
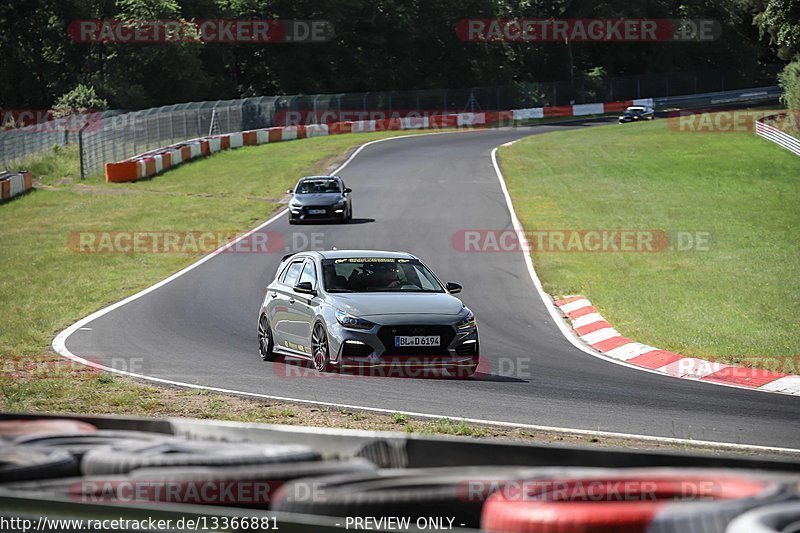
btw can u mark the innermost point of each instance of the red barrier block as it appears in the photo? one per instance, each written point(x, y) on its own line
point(442, 121)
point(166, 160)
point(186, 153)
point(301, 132)
point(5, 189)
point(336, 128)
point(224, 142)
point(614, 107)
point(149, 166)
point(275, 135)
point(122, 171)
point(249, 138)
point(27, 180)
point(558, 111)
point(387, 124)
point(205, 148)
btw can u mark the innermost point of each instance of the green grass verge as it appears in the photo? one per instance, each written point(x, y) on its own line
point(737, 302)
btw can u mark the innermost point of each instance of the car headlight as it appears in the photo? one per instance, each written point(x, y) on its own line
point(467, 322)
point(349, 321)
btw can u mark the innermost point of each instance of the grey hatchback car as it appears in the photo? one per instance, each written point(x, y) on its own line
point(320, 198)
point(359, 309)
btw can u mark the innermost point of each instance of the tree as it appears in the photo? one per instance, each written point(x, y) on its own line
point(789, 80)
point(80, 100)
point(780, 20)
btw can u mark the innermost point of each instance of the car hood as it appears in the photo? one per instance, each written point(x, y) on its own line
point(393, 303)
point(323, 198)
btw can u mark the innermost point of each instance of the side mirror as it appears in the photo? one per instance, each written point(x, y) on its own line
point(452, 288)
point(347, 190)
point(289, 191)
point(305, 287)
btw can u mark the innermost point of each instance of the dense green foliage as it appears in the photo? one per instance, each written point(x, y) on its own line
point(790, 82)
point(379, 45)
point(81, 99)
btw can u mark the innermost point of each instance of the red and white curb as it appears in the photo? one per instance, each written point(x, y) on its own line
point(595, 331)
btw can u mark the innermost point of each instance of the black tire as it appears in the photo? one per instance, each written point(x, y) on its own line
point(124, 457)
point(23, 463)
point(320, 348)
point(457, 492)
point(266, 342)
point(349, 214)
point(78, 444)
point(249, 486)
point(257, 484)
point(16, 428)
point(779, 518)
point(659, 499)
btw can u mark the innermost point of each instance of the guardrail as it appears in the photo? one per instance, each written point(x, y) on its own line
point(722, 98)
point(777, 136)
point(14, 184)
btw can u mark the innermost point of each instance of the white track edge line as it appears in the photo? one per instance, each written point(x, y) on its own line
point(557, 315)
point(59, 344)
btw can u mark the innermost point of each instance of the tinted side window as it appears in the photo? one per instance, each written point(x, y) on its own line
point(309, 274)
point(292, 273)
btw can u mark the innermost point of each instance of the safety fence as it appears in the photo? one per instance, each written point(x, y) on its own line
point(771, 133)
point(155, 161)
point(116, 135)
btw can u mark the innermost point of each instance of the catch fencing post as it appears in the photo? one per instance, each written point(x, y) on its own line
point(80, 150)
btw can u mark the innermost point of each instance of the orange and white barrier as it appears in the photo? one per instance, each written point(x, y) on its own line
point(156, 161)
point(13, 184)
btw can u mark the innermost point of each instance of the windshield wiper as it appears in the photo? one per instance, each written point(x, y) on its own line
point(341, 290)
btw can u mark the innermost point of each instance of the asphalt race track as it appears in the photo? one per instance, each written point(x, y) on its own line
point(413, 194)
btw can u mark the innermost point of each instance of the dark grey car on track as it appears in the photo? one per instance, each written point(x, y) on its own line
point(319, 199)
point(366, 309)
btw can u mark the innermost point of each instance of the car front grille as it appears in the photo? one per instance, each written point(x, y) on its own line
point(326, 214)
point(387, 334)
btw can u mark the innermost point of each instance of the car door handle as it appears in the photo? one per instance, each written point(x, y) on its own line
point(291, 300)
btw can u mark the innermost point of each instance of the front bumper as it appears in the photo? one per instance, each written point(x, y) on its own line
point(332, 213)
point(373, 349)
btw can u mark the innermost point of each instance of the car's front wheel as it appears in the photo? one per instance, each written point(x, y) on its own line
point(266, 344)
point(320, 352)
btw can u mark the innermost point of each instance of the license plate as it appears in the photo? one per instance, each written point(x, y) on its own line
point(417, 340)
point(316, 211)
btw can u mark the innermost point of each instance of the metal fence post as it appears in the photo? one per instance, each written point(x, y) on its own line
point(80, 151)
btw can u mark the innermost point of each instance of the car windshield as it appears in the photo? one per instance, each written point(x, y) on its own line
point(378, 274)
point(634, 111)
point(317, 186)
